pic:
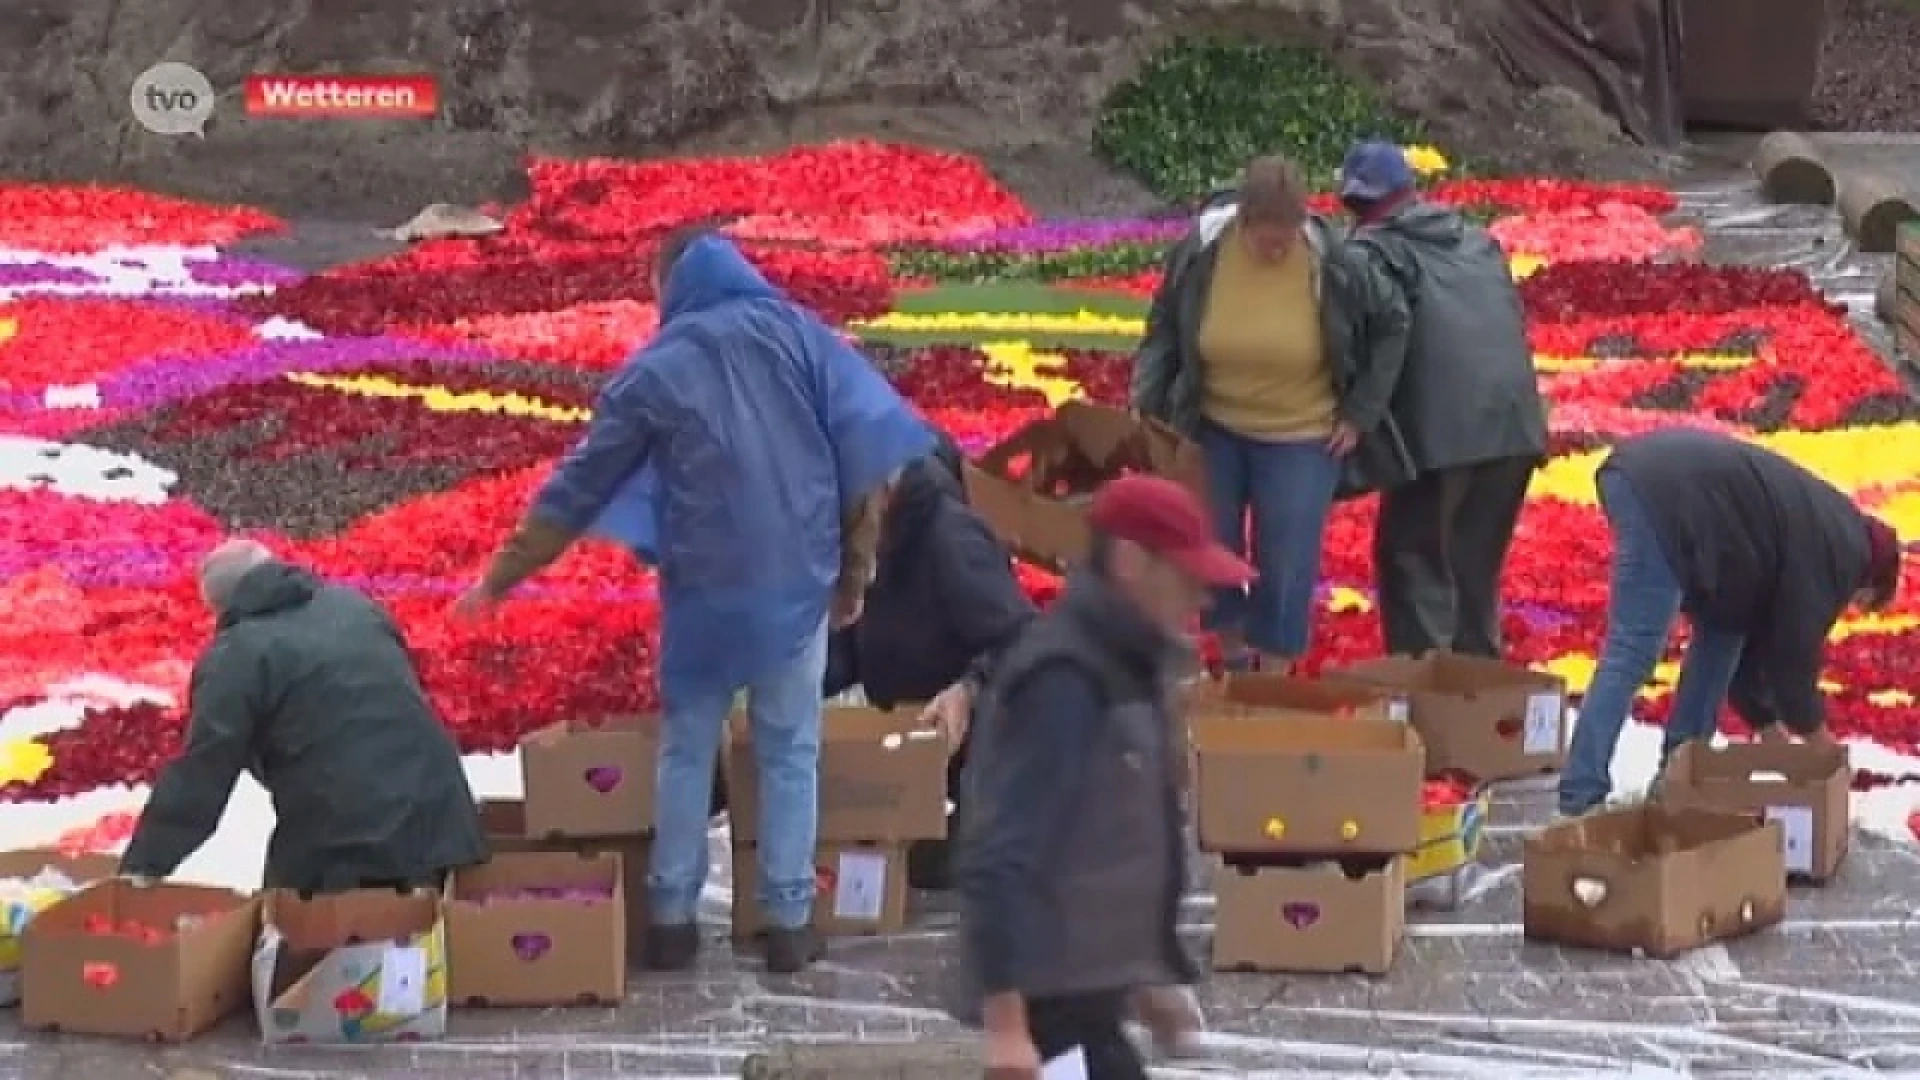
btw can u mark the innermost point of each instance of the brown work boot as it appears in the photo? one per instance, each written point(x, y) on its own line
point(789, 952)
point(672, 947)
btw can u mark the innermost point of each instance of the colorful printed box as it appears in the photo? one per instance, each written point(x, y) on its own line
point(358, 967)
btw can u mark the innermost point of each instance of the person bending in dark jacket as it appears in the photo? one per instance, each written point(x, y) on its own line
point(1074, 860)
point(1468, 404)
point(943, 604)
point(1761, 555)
point(310, 687)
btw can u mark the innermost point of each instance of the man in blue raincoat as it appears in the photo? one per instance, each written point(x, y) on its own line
point(744, 452)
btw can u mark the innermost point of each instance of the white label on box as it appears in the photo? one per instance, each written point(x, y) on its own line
point(1542, 732)
point(860, 891)
point(1796, 828)
point(403, 982)
point(1071, 1065)
point(1399, 710)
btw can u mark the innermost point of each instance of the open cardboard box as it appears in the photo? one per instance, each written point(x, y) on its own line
point(82, 870)
point(1653, 879)
point(80, 982)
point(1032, 487)
point(1295, 694)
point(1482, 717)
point(1307, 784)
point(860, 889)
point(538, 950)
point(590, 780)
point(1806, 788)
point(1321, 916)
point(368, 966)
point(504, 821)
point(883, 778)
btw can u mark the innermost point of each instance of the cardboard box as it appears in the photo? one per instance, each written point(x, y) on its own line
point(1807, 789)
point(1653, 879)
point(860, 890)
point(1319, 916)
point(1295, 694)
point(368, 966)
point(882, 778)
point(1031, 489)
point(93, 984)
point(505, 824)
point(587, 781)
point(1482, 717)
point(1450, 837)
point(16, 915)
point(534, 950)
point(1303, 784)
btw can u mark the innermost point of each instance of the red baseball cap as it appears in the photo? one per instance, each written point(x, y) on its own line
point(1166, 521)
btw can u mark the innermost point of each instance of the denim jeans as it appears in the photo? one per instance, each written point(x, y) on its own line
point(1643, 601)
point(1287, 489)
point(783, 708)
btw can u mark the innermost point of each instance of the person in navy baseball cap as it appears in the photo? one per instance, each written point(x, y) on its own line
point(1375, 172)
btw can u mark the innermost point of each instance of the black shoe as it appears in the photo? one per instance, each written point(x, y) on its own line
point(790, 951)
point(672, 948)
point(929, 865)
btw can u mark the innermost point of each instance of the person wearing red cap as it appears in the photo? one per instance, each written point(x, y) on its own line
point(1072, 867)
point(1761, 555)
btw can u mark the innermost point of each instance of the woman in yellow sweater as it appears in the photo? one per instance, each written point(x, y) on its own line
point(1277, 352)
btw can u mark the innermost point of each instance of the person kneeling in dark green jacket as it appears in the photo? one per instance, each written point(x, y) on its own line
point(310, 687)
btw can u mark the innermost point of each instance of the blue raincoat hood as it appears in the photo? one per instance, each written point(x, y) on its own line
point(762, 427)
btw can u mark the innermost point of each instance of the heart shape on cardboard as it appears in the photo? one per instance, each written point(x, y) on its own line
point(1300, 914)
point(1508, 727)
point(531, 946)
point(603, 778)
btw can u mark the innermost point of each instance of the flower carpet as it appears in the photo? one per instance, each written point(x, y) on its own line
point(386, 422)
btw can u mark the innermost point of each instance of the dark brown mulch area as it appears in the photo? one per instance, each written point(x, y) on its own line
point(1870, 68)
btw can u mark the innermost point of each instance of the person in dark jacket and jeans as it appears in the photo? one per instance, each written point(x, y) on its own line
point(1761, 555)
point(1074, 862)
point(310, 687)
point(1277, 353)
point(943, 604)
point(1468, 403)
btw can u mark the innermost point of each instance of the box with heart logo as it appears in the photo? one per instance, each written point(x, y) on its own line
point(368, 966)
point(1305, 784)
point(504, 821)
point(163, 963)
point(860, 889)
point(1653, 879)
point(883, 778)
point(1483, 717)
point(1806, 788)
point(1322, 916)
point(1032, 488)
point(538, 928)
point(35, 880)
point(587, 780)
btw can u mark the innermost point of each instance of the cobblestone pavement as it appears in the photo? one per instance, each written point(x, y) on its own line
point(1833, 992)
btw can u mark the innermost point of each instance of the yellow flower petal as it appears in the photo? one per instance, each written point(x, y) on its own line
point(8, 328)
point(1890, 699)
point(1015, 365)
point(23, 761)
point(1344, 599)
point(1425, 160)
point(440, 399)
point(1525, 266)
point(1012, 324)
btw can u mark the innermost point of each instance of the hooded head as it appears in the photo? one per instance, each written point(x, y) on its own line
point(697, 268)
point(1374, 178)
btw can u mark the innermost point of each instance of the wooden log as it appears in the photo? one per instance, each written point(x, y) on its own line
point(1873, 206)
point(1791, 170)
point(934, 1060)
point(1886, 296)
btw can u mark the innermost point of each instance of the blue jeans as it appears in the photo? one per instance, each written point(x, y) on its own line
point(1643, 601)
point(783, 707)
point(1287, 487)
